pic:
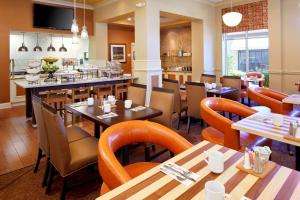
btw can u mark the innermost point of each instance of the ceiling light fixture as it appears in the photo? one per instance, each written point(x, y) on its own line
point(75, 39)
point(84, 32)
point(51, 48)
point(74, 27)
point(23, 48)
point(140, 4)
point(129, 19)
point(231, 18)
point(62, 48)
point(37, 46)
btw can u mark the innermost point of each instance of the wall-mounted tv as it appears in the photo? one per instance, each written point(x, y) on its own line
point(52, 17)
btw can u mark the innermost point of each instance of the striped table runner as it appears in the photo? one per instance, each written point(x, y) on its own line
point(281, 183)
point(266, 129)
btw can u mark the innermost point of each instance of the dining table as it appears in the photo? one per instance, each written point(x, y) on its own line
point(94, 112)
point(280, 183)
point(261, 125)
point(292, 99)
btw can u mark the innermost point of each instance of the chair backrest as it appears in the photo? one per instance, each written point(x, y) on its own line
point(208, 78)
point(41, 128)
point(174, 85)
point(103, 91)
point(163, 99)
point(57, 98)
point(235, 82)
point(81, 93)
point(58, 140)
point(195, 92)
point(270, 98)
point(130, 132)
point(209, 108)
point(137, 93)
point(255, 74)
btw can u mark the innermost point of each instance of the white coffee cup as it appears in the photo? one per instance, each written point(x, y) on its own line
point(128, 103)
point(213, 85)
point(106, 108)
point(215, 161)
point(111, 98)
point(208, 86)
point(215, 190)
point(90, 101)
point(277, 119)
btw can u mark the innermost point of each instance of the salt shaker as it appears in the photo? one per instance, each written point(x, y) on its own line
point(246, 163)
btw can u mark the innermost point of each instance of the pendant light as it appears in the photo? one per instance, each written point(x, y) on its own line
point(74, 27)
point(231, 18)
point(62, 48)
point(23, 48)
point(51, 48)
point(84, 32)
point(37, 46)
point(75, 39)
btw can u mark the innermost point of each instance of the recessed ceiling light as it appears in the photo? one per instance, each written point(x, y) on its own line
point(129, 19)
point(140, 4)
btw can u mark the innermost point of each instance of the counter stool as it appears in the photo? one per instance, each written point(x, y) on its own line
point(103, 91)
point(58, 99)
point(121, 90)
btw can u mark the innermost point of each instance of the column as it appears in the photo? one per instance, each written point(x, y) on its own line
point(147, 66)
point(98, 43)
point(197, 49)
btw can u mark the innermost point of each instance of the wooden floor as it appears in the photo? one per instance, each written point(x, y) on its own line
point(18, 140)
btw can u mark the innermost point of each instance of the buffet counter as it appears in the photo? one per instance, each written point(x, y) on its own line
point(41, 85)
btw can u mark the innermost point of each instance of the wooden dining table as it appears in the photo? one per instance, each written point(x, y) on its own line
point(292, 99)
point(92, 113)
point(265, 128)
point(280, 183)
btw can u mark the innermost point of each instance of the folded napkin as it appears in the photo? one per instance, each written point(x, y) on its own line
point(179, 173)
point(225, 88)
point(108, 115)
point(138, 108)
point(82, 103)
point(213, 90)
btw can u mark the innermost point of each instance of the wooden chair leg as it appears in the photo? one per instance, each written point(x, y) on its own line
point(44, 183)
point(153, 147)
point(178, 123)
point(230, 116)
point(188, 124)
point(39, 157)
point(50, 179)
point(64, 189)
point(147, 153)
point(249, 102)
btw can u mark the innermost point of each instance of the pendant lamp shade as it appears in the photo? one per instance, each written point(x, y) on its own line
point(23, 48)
point(84, 32)
point(74, 27)
point(231, 18)
point(51, 48)
point(37, 46)
point(75, 39)
point(62, 48)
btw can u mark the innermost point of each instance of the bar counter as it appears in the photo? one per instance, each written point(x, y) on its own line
point(41, 85)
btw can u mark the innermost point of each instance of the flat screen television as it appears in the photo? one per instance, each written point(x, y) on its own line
point(52, 17)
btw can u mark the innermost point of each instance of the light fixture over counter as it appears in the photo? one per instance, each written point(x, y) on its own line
point(23, 48)
point(74, 27)
point(231, 18)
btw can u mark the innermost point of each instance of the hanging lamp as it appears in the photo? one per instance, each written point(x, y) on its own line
point(75, 39)
point(51, 48)
point(84, 32)
point(23, 48)
point(231, 18)
point(37, 46)
point(62, 48)
point(74, 27)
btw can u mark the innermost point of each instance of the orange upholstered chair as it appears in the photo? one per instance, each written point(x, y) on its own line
point(220, 131)
point(257, 75)
point(271, 99)
point(124, 133)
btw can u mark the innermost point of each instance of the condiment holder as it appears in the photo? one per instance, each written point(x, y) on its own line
point(256, 161)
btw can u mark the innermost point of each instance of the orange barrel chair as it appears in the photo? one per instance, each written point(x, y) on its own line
point(220, 131)
point(257, 75)
point(272, 99)
point(129, 132)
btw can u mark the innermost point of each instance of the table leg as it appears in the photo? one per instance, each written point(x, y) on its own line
point(28, 103)
point(297, 158)
point(97, 130)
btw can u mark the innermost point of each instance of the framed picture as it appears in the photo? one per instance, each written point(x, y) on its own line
point(118, 52)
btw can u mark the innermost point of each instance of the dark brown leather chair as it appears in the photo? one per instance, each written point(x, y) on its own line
point(220, 131)
point(66, 157)
point(195, 93)
point(129, 132)
point(179, 105)
point(137, 93)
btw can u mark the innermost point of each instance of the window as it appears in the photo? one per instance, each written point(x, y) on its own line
point(246, 52)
